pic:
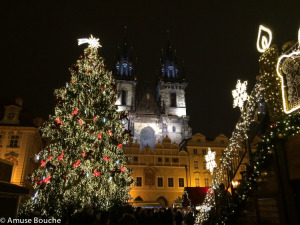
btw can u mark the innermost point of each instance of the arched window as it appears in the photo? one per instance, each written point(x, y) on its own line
point(173, 99)
point(147, 137)
point(123, 97)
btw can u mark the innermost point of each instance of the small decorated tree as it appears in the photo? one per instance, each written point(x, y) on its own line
point(84, 165)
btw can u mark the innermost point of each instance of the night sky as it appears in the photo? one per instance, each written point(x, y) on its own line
point(216, 41)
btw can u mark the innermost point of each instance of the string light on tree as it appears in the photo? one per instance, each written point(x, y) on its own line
point(84, 164)
point(267, 90)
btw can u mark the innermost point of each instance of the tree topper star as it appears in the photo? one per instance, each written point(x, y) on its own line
point(93, 42)
point(239, 94)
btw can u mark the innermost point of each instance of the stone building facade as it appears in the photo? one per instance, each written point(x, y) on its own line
point(158, 121)
point(155, 110)
point(20, 140)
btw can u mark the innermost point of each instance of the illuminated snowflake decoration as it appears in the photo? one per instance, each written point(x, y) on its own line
point(93, 42)
point(239, 94)
point(205, 208)
point(210, 161)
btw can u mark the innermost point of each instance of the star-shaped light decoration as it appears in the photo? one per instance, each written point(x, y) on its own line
point(210, 161)
point(239, 94)
point(93, 42)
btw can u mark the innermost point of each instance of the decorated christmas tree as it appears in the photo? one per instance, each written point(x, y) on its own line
point(84, 164)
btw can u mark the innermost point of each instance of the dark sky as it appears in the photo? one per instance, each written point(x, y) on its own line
point(217, 42)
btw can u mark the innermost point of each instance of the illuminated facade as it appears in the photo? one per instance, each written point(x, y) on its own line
point(20, 140)
point(154, 110)
point(159, 123)
point(197, 148)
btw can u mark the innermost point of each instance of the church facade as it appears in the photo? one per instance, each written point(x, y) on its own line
point(158, 121)
point(155, 110)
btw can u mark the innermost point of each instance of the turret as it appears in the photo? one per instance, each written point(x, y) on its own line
point(126, 79)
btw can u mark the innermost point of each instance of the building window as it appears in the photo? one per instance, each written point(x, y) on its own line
point(181, 182)
point(222, 142)
point(197, 183)
point(11, 116)
point(206, 181)
point(173, 99)
point(174, 129)
point(159, 160)
point(123, 97)
point(167, 160)
point(160, 182)
point(170, 182)
point(135, 158)
point(195, 165)
point(203, 151)
point(14, 141)
point(204, 165)
point(199, 140)
point(195, 151)
point(175, 160)
point(139, 181)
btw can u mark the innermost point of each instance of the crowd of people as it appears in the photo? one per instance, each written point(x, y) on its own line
point(135, 216)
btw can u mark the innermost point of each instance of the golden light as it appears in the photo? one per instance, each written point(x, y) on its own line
point(235, 184)
point(263, 42)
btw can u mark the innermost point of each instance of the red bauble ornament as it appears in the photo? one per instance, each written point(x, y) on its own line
point(47, 179)
point(106, 158)
point(83, 154)
point(99, 136)
point(77, 163)
point(75, 112)
point(60, 157)
point(59, 121)
point(119, 146)
point(43, 163)
point(96, 173)
point(123, 169)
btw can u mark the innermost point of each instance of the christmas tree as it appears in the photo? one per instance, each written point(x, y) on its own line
point(84, 164)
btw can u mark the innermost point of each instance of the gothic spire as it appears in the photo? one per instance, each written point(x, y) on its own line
point(124, 69)
point(168, 64)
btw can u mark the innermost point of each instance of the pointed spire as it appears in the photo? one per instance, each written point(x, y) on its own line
point(169, 70)
point(123, 62)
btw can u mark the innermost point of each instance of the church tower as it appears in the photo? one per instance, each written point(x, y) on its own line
point(171, 97)
point(126, 79)
point(171, 85)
